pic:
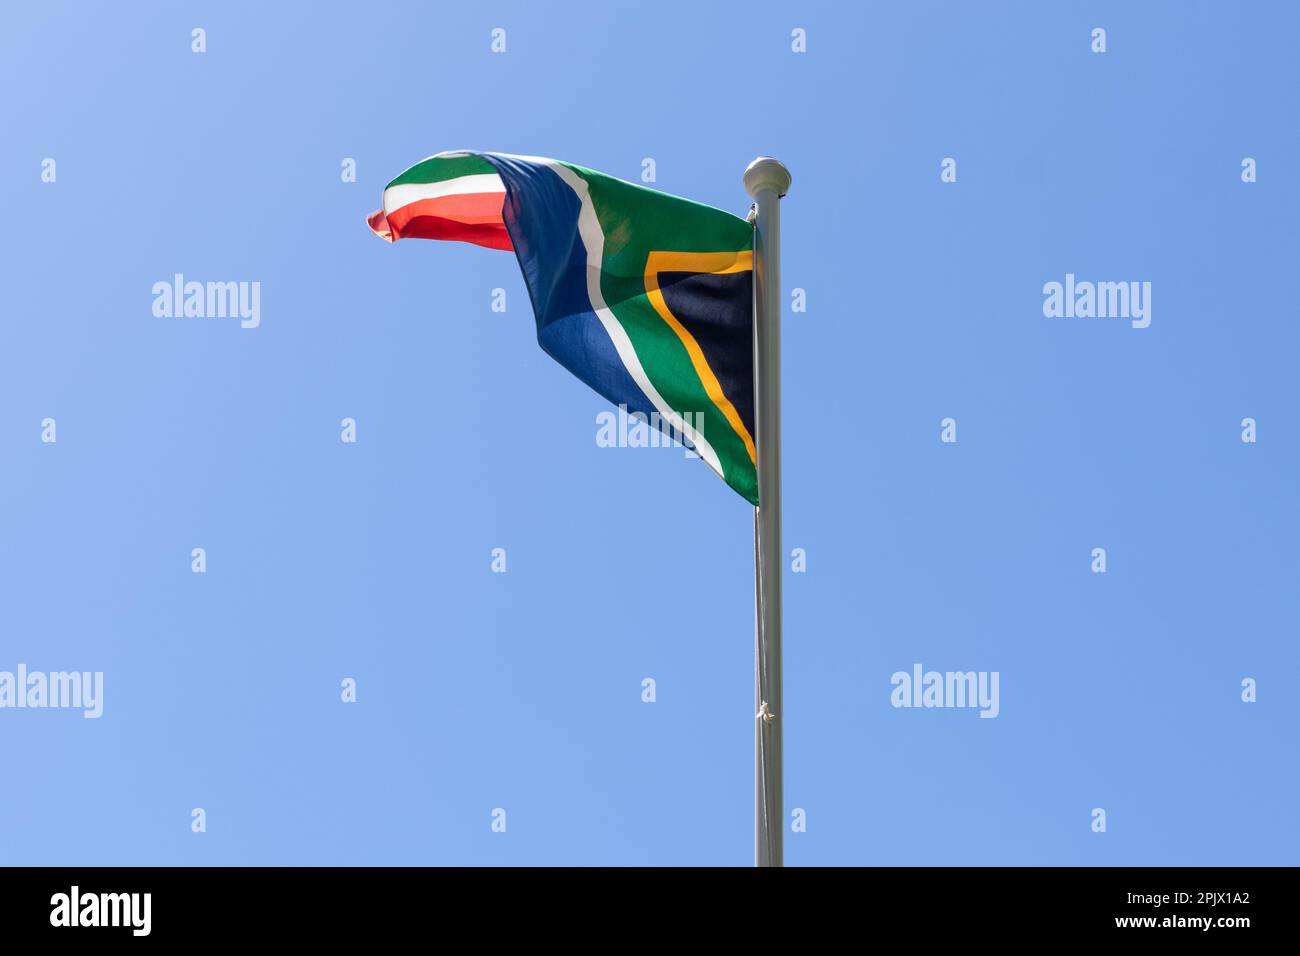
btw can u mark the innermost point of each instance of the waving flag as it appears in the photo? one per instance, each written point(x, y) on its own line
point(646, 297)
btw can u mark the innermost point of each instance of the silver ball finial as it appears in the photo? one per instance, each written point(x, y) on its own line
point(767, 173)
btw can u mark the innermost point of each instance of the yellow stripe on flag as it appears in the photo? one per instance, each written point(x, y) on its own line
point(715, 263)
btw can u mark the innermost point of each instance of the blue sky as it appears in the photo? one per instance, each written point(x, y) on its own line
point(522, 690)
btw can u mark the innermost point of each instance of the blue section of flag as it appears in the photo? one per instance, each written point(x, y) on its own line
point(541, 215)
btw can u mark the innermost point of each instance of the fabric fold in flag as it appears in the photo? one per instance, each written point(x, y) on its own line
point(445, 197)
point(646, 297)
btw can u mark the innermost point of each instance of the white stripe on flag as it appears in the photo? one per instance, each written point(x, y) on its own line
point(395, 197)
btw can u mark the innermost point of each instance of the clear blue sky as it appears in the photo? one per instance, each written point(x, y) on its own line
point(523, 691)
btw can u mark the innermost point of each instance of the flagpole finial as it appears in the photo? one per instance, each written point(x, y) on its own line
point(767, 173)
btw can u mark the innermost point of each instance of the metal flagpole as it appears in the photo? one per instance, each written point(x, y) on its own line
point(767, 180)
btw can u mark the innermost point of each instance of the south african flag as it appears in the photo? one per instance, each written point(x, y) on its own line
point(644, 296)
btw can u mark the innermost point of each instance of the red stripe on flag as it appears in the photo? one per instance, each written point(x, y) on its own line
point(494, 236)
point(379, 225)
point(469, 217)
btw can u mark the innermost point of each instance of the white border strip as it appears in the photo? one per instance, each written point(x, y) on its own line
point(395, 197)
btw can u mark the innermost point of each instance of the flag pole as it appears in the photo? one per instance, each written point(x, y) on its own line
point(767, 180)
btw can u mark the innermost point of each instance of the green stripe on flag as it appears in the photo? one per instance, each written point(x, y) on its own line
point(438, 169)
